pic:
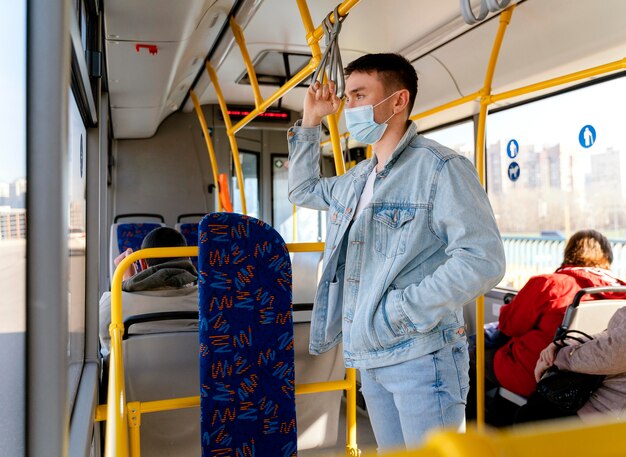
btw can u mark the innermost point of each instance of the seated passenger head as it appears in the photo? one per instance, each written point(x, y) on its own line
point(588, 248)
point(163, 237)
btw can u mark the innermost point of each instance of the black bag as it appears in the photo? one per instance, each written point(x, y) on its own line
point(568, 390)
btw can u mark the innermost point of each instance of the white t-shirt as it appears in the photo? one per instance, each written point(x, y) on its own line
point(366, 196)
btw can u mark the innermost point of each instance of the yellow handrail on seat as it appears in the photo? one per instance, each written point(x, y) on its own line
point(124, 419)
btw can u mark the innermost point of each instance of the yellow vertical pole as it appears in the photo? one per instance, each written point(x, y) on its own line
point(231, 135)
point(335, 139)
point(134, 424)
point(295, 224)
point(209, 143)
point(241, 42)
point(351, 445)
point(340, 166)
point(485, 99)
point(116, 440)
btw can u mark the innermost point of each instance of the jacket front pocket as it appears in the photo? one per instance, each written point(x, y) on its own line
point(391, 225)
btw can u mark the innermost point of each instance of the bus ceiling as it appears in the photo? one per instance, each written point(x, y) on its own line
point(156, 49)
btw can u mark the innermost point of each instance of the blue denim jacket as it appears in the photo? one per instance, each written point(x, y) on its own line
point(395, 279)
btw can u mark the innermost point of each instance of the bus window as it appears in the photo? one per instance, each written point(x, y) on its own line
point(310, 224)
point(459, 137)
point(555, 166)
point(13, 227)
point(250, 171)
point(76, 205)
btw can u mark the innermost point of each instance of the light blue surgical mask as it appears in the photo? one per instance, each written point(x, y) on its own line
point(361, 124)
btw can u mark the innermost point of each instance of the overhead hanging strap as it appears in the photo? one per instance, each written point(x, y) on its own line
point(486, 6)
point(331, 59)
point(468, 14)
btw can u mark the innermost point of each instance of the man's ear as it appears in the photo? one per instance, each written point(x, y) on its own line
point(402, 101)
point(144, 264)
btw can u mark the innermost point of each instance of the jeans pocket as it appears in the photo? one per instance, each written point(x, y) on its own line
point(460, 355)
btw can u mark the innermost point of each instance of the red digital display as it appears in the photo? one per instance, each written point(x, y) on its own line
point(269, 115)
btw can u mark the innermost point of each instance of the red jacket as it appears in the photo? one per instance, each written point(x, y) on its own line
point(532, 318)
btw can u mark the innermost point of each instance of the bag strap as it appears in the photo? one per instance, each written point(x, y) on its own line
point(559, 340)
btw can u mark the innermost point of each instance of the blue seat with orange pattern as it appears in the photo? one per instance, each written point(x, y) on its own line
point(130, 234)
point(246, 339)
point(189, 230)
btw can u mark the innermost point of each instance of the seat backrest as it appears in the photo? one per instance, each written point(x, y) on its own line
point(247, 370)
point(305, 267)
point(592, 316)
point(160, 362)
point(189, 230)
point(126, 235)
point(161, 366)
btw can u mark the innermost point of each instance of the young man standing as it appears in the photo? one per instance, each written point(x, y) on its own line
point(411, 239)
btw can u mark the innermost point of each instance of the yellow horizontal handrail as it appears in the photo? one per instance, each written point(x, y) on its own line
point(324, 386)
point(571, 77)
point(305, 247)
point(452, 104)
point(191, 402)
point(564, 437)
point(343, 9)
point(293, 82)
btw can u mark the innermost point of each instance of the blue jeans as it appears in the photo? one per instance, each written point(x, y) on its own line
point(406, 400)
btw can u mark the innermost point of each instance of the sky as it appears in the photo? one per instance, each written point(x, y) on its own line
point(12, 90)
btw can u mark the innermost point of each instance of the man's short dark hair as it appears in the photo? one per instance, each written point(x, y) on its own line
point(163, 237)
point(394, 71)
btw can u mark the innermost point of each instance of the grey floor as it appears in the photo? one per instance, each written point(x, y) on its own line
point(364, 436)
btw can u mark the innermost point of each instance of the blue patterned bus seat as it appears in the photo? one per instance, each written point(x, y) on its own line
point(190, 231)
point(246, 339)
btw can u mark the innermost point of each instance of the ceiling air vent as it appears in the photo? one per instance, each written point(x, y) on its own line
point(275, 68)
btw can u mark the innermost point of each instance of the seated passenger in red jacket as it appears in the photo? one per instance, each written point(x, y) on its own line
point(533, 316)
point(527, 324)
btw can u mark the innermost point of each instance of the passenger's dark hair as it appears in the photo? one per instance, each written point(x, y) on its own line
point(163, 237)
point(394, 71)
point(588, 248)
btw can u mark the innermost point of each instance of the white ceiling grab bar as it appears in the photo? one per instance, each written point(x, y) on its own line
point(468, 14)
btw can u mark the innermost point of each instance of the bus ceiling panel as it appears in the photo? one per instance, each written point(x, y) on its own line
point(388, 26)
point(157, 74)
point(160, 20)
point(140, 77)
point(371, 26)
point(393, 26)
point(590, 34)
point(135, 122)
point(435, 85)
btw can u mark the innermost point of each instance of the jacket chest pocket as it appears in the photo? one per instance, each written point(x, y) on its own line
point(391, 228)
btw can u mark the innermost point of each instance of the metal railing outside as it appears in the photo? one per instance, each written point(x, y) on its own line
point(528, 256)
